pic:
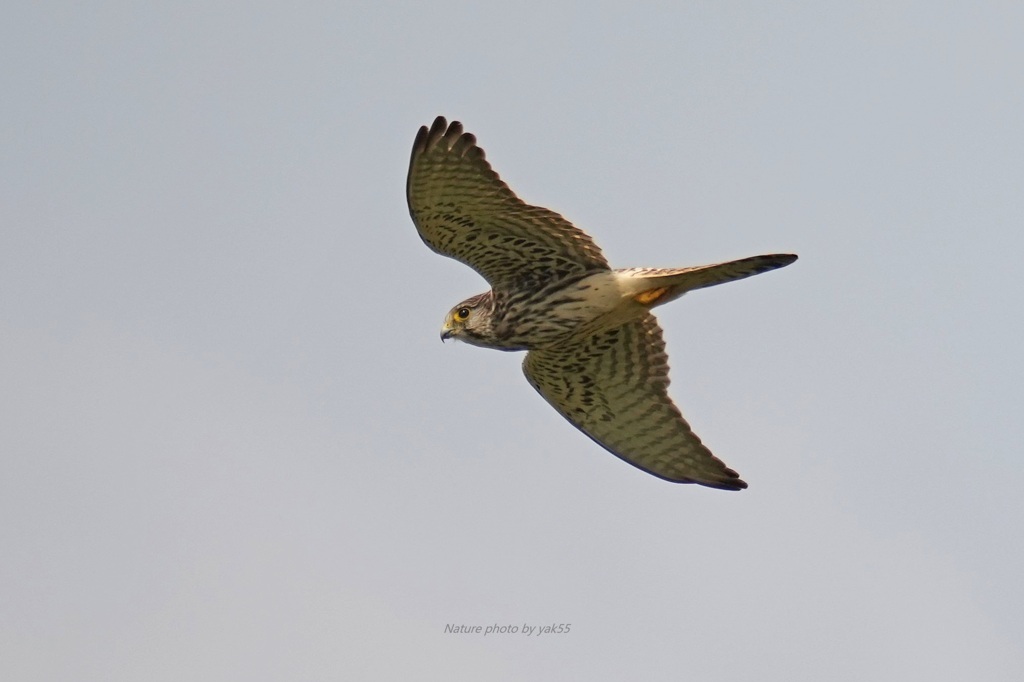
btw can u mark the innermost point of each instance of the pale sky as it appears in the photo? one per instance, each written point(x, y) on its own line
point(233, 448)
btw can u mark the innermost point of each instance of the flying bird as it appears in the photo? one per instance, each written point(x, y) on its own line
point(594, 350)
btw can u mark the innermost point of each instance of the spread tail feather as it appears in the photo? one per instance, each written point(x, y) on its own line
point(663, 285)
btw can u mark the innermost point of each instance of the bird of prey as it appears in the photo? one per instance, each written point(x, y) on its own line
point(594, 350)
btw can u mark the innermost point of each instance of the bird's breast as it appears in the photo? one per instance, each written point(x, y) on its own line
point(548, 316)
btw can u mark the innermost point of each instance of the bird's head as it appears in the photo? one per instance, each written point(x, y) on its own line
point(469, 321)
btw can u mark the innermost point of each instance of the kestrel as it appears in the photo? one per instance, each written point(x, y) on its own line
point(594, 350)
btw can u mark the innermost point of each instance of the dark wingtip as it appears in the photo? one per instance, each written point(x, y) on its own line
point(425, 136)
point(440, 125)
point(781, 260)
point(420, 143)
point(730, 480)
point(774, 261)
point(453, 134)
point(731, 484)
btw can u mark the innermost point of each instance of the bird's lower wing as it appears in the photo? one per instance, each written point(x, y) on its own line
point(613, 386)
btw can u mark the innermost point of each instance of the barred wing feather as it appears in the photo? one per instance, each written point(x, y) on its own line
point(463, 210)
point(613, 386)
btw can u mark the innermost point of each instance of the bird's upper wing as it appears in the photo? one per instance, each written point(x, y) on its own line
point(613, 387)
point(462, 209)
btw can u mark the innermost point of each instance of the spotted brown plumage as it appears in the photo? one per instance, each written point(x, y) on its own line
point(613, 386)
point(595, 351)
point(463, 210)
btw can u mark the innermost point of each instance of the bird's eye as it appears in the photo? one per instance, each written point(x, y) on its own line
point(461, 314)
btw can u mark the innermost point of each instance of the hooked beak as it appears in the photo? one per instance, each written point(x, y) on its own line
point(446, 333)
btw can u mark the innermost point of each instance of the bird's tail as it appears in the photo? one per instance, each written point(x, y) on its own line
point(655, 286)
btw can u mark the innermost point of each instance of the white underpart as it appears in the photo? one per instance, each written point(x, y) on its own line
point(605, 300)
